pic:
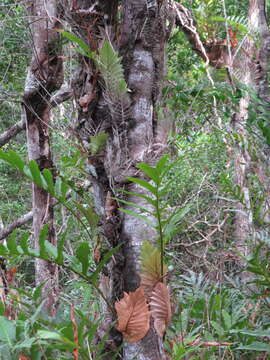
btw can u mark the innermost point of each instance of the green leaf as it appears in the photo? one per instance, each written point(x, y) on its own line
point(35, 172)
point(172, 223)
point(42, 238)
point(53, 335)
point(37, 292)
point(129, 203)
point(257, 333)
point(76, 40)
point(7, 331)
point(60, 248)
point(151, 172)
point(91, 332)
point(24, 243)
point(49, 180)
point(141, 217)
point(98, 143)
point(82, 254)
point(15, 160)
point(217, 327)
point(38, 310)
point(111, 70)
point(142, 196)
point(12, 244)
point(51, 249)
point(256, 346)
point(161, 164)
point(144, 184)
point(227, 319)
point(88, 212)
point(27, 343)
point(103, 262)
point(3, 250)
point(61, 188)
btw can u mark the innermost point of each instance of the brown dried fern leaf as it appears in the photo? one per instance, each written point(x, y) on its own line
point(133, 315)
point(160, 308)
point(151, 267)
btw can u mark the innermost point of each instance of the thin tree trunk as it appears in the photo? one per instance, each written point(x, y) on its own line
point(262, 83)
point(44, 76)
point(244, 224)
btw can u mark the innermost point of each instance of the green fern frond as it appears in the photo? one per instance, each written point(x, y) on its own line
point(98, 143)
point(109, 64)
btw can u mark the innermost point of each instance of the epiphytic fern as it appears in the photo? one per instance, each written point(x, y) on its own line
point(111, 70)
point(115, 95)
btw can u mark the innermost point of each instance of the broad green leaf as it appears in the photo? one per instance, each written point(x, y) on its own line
point(15, 160)
point(35, 172)
point(7, 331)
point(51, 249)
point(151, 172)
point(82, 254)
point(161, 164)
point(12, 244)
point(3, 250)
point(36, 353)
point(61, 188)
point(2, 306)
point(144, 184)
point(27, 172)
point(49, 180)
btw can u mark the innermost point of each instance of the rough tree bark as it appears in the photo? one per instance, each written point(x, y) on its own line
point(132, 129)
point(252, 64)
point(262, 83)
point(45, 75)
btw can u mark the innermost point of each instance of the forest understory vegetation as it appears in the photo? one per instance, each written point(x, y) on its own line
point(142, 218)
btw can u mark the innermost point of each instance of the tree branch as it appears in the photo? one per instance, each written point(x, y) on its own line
point(65, 93)
point(16, 224)
point(184, 19)
point(11, 132)
point(5, 231)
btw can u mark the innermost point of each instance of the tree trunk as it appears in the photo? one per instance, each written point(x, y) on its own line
point(44, 76)
point(130, 123)
point(262, 82)
point(252, 78)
